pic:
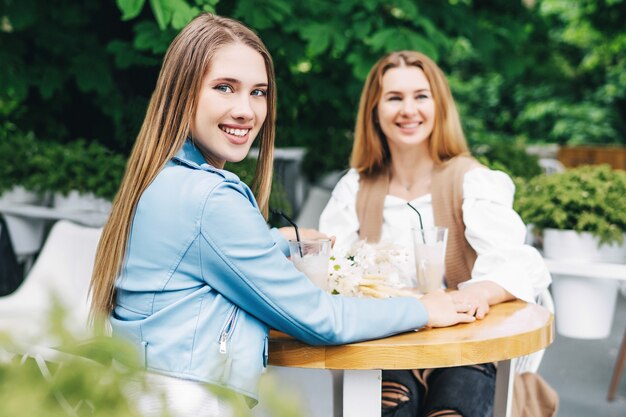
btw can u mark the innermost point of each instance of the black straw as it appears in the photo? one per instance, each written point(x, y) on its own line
point(421, 224)
point(418, 214)
point(295, 226)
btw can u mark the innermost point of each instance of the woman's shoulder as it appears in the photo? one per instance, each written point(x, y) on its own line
point(179, 181)
point(463, 162)
point(488, 184)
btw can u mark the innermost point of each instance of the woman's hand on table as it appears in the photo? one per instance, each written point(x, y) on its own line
point(443, 311)
point(471, 301)
point(289, 233)
point(476, 298)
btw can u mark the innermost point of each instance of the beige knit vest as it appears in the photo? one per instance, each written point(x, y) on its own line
point(447, 199)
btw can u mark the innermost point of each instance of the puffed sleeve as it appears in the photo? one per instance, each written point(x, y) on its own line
point(339, 216)
point(241, 261)
point(497, 234)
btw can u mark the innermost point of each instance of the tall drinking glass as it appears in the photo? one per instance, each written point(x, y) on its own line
point(311, 257)
point(430, 253)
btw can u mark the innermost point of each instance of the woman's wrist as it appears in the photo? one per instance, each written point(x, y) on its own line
point(489, 291)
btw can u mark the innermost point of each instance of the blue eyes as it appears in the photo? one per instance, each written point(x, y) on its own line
point(417, 97)
point(225, 88)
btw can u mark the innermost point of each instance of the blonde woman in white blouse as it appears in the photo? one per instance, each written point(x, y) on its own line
point(409, 147)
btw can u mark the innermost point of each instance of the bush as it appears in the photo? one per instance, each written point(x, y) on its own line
point(81, 166)
point(42, 166)
point(584, 199)
point(22, 165)
point(510, 157)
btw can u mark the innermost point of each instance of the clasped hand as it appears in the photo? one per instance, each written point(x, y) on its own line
point(471, 300)
point(443, 311)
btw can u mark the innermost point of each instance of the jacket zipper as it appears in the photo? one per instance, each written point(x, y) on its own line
point(145, 354)
point(227, 331)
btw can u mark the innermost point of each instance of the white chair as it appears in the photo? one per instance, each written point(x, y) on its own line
point(316, 199)
point(62, 272)
point(530, 363)
point(551, 166)
point(311, 210)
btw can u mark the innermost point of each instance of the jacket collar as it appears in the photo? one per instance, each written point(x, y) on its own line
point(191, 156)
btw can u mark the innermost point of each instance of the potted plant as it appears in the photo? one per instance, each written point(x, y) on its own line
point(21, 167)
point(20, 186)
point(580, 213)
point(581, 207)
point(85, 175)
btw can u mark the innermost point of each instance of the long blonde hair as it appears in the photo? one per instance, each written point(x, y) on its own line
point(164, 130)
point(370, 152)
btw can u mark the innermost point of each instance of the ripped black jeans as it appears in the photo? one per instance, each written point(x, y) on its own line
point(464, 390)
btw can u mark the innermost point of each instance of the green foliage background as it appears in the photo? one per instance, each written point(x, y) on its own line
point(529, 70)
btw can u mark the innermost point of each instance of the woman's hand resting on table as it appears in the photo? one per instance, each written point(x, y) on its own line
point(442, 311)
point(289, 233)
point(476, 298)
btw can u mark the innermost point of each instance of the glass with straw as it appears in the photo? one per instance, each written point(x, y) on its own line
point(311, 257)
point(430, 251)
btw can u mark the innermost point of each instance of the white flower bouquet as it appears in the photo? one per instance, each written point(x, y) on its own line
point(369, 270)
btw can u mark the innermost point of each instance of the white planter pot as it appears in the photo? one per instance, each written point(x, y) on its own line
point(26, 234)
point(584, 306)
point(19, 195)
point(75, 201)
point(580, 247)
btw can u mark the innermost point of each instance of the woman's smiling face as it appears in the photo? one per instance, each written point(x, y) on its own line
point(406, 110)
point(232, 105)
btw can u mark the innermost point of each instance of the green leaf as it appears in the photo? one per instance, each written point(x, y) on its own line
point(393, 39)
point(149, 37)
point(362, 29)
point(361, 64)
point(183, 15)
point(263, 14)
point(126, 56)
point(162, 14)
point(130, 8)
point(318, 37)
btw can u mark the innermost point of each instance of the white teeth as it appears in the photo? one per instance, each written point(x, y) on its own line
point(236, 132)
point(408, 125)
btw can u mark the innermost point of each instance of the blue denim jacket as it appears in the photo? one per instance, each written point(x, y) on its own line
point(204, 278)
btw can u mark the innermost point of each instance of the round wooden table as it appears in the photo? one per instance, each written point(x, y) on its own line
point(510, 330)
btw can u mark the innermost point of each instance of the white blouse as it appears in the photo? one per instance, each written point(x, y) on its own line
point(492, 228)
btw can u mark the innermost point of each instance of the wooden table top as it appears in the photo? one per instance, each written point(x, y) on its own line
point(510, 330)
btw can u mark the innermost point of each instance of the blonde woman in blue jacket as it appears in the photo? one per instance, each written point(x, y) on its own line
point(187, 269)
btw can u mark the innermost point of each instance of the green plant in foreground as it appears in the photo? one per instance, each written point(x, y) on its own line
point(585, 199)
point(36, 385)
point(81, 381)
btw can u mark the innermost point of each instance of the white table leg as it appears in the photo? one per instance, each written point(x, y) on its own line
point(337, 392)
point(356, 393)
point(504, 389)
